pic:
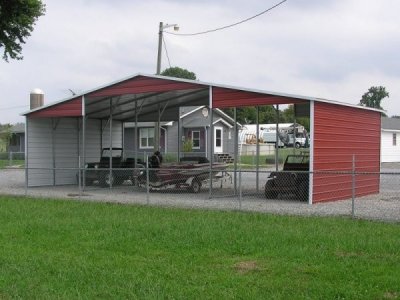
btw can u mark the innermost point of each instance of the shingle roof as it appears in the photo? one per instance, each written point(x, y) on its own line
point(390, 123)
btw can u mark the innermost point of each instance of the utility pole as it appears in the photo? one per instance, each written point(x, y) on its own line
point(160, 37)
point(159, 55)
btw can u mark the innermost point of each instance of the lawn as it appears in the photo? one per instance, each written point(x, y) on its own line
point(6, 163)
point(72, 249)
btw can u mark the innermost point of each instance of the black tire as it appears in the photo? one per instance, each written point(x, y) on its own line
point(195, 186)
point(269, 192)
point(297, 145)
point(302, 191)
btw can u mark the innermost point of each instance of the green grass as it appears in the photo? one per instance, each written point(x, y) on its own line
point(250, 161)
point(6, 163)
point(65, 249)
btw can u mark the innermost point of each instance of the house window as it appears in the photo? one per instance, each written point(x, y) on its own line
point(394, 139)
point(146, 138)
point(14, 141)
point(196, 139)
point(218, 137)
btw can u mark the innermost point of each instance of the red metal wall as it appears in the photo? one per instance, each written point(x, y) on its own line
point(224, 97)
point(339, 133)
point(141, 84)
point(70, 108)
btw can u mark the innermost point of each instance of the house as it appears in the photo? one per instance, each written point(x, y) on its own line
point(193, 126)
point(390, 140)
point(17, 140)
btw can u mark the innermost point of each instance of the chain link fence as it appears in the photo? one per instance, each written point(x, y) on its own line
point(221, 187)
point(10, 159)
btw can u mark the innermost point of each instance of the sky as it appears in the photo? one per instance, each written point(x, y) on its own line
point(332, 49)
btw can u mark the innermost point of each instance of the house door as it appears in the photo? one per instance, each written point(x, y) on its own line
point(217, 139)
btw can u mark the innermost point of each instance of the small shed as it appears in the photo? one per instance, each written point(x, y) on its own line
point(67, 134)
point(390, 142)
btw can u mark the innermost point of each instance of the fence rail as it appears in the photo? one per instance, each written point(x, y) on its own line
point(12, 158)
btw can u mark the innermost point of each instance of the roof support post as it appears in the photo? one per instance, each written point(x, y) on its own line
point(26, 155)
point(257, 148)
point(110, 143)
point(211, 136)
point(83, 163)
point(311, 154)
point(179, 137)
point(157, 130)
point(236, 150)
point(277, 139)
point(136, 142)
point(53, 150)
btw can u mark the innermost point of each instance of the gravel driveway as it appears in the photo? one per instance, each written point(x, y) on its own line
point(384, 206)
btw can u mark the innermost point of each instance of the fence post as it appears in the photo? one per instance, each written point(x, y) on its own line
point(9, 158)
point(147, 181)
point(79, 177)
point(353, 185)
point(26, 178)
point(240, 187)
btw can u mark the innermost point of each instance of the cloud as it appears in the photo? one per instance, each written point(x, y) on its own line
point(330, 49)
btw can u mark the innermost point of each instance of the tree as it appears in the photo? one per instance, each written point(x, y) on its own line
point(373, 97)
point(179, 73)
point(17, 18)
point(5, 136)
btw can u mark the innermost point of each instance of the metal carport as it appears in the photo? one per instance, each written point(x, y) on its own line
point(66, 134)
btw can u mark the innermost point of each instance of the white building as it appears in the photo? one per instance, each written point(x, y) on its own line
point(390, 140)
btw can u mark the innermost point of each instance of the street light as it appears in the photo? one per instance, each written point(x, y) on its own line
point(160, 37)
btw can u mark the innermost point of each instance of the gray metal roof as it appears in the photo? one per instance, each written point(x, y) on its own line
point(390, 123)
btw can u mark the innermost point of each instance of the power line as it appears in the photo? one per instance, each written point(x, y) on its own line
point(166, 51)
point(13, 107)
point(228, 26)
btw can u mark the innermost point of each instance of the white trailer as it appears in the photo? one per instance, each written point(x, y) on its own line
point(267, 134)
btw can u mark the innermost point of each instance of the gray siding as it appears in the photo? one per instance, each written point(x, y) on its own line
point(116, 134)
point(97, 137)
point(39, 155)
point(58, 144)
point(66, 146)
point(92, 140)
point(172, 138)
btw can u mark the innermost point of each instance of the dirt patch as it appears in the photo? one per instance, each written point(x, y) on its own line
point(391, 295)
point(244, 267)
point(77, 195)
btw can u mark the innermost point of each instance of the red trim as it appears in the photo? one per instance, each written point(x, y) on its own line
point(141, 84)
point(70, 108)
point(224, 97)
